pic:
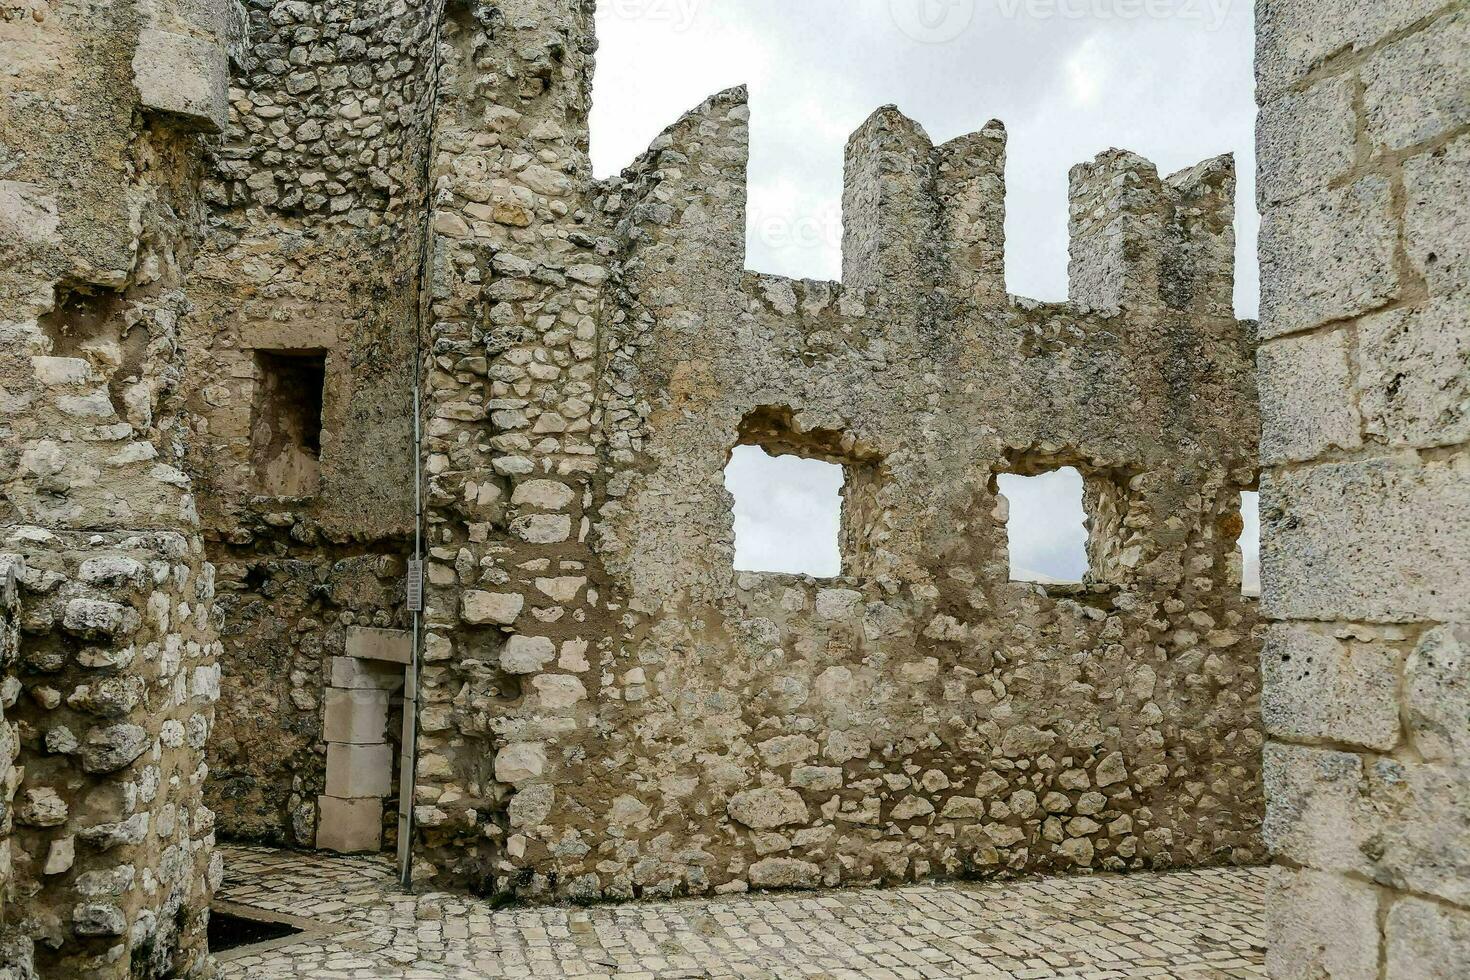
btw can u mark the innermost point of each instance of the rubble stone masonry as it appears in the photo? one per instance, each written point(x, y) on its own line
point(1365, 391)
point(234, 238)
point(103, 111)
point(610, 710)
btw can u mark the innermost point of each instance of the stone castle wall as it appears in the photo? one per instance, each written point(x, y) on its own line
point(113, 686)
point(610, 710)
point(607, 708)
point(314, 252)
point(1365, 391)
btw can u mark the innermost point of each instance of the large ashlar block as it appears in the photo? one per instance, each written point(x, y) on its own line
point(1403, 825)
point(1315, 686)
point(355, 771)
point(1294, 37)
point(1414, 89)
point(1436, 214)
point(1414, 374)
point(1427, 941)
point(1382, 540)
point(1314, 813)
point(357, 717)
point(1320, 925)
point(349, 826)
point(183, 76)
point(1437, 696)
point(1327, 255)
point(354, 674)
point(370, 643)
point(1306, 398)
point(1304, 140)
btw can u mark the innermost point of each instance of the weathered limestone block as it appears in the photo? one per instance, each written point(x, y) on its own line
point(1321, 925)
point(785, 873)
point(766, 809)
point(1414, 88)
point(370, 643)
point(1316, 687)
point(353, 826)
point(1436, 210)
point(1307, 403)
point(1314, 813)
point(358, 717)
point(520, 762)
point(491, 608)
point(1378, 540)
point(1426, 940)
point(1414, 374)
point(1437, 696)
point(1327, 255)
point(185, 77)
point(355, 771)
point(113, 748)
point(527, 654)
point(1294, 38)
point(1305, 140)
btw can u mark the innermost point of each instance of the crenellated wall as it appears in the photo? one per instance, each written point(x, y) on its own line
point(1364, 139)
point(610, 710)
point(104, 112)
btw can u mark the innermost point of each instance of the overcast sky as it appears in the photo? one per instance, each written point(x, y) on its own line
point(1170, 79)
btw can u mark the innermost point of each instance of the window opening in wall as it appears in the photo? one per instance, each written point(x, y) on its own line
point(1250, 543)
point(1046, 527)
point(788, 513)
point(286, 431)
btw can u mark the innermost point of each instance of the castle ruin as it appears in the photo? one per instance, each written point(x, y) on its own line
point(295, 296)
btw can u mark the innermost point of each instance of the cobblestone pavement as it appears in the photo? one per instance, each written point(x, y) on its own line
point(1192, 924)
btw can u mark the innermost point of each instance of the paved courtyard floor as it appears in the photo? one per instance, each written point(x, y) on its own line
point(1192, 924)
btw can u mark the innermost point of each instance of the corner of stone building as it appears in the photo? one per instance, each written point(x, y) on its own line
point(113, 683)
point(1364, 377)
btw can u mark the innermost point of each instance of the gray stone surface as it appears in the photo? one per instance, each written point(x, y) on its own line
point(1317, 687)
point(1426, 941)
point(1308, 404)
point(1414, 89)
point(1414, 374)
point(1381, 540)
point(1321, 925)
point(1437, 696)
point(1328, 255)
point(1436, 212)
point(1097, 926)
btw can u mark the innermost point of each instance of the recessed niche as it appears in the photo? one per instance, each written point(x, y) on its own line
point(286, 428)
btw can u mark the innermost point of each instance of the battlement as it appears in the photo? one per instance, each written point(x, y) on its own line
point(919, 217)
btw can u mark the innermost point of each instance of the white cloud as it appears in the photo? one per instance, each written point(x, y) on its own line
point(788, 513)
point(1087, 71)
point(1046, 534)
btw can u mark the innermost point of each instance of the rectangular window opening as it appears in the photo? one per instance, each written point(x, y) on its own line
point(1249, 547)
point(1046, 526)
point(286, 429)
point(788, 512)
